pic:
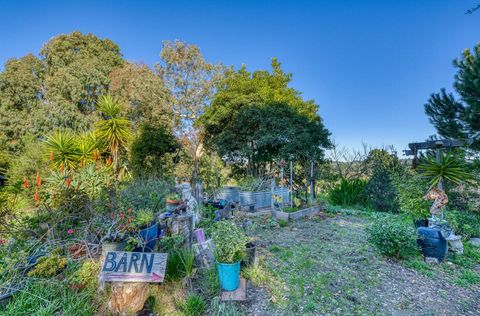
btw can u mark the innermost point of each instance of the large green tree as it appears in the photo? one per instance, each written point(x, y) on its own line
point(256, 118)
point(58, 90)
point(459, 117)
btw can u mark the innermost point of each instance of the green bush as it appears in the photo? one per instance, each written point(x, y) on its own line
point(349, 193)
point(144, 193)
point(411, 188)
point(194, 305)
point(86, 276)
point(230, 241)
point(464, 223)
point(381, 192)
point(393, 237)
point(48, 266)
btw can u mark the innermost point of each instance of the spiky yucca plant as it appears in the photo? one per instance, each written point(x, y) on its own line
point(62, 149)
point(449, 168)
point(114, 129)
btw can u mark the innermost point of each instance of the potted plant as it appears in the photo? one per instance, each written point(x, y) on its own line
point(148, 230)
point(230, 241)
point(173, 198)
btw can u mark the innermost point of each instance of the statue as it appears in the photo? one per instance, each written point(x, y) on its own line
point(440, 199)
point(190, 201)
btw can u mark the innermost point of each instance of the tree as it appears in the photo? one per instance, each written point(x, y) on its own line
point(192, 82)
point(113, 129)
point(147, 99)
point(56, 91)
point(459, 118)
point(255, 118)
point(149, 148)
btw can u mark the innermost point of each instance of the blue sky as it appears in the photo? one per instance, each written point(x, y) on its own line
point(370, 65)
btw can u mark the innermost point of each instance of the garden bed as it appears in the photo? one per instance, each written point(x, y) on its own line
point(306, 212)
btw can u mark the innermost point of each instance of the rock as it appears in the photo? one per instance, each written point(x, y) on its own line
point(127, 298)
point(431, 260)
point(455, 243)
point(475, 241)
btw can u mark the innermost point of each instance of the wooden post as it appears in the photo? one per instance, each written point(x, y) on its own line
point(291, 182)
point(272, 203)
point(282, 169)
point(311, 183)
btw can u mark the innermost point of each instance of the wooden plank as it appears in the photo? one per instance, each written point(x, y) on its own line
point(240, 294)
point(122, 266)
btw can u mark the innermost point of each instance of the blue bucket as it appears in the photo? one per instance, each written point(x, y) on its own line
point(229, 275)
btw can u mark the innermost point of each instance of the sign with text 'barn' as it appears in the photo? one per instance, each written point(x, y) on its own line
point(121, 266)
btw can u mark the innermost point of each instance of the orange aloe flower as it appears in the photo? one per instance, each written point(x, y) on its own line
point(25, 183)
point(38, 180)
point(36, 197)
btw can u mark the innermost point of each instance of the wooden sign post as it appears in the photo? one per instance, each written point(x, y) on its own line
point(121, 266)
point(130, 273)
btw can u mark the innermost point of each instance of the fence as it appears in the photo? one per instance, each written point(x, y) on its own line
point(262, 199)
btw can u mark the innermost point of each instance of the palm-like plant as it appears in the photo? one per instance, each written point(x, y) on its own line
point(87, 144)
point(62, 149)
point(114, 129)
point(449, 168)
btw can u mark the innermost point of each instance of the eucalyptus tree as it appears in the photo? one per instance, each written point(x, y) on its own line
point(192, 82)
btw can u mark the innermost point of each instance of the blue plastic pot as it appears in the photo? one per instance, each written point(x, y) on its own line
point(229, 275)
point(149, 237)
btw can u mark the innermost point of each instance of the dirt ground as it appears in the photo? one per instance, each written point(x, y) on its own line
point(325, 266)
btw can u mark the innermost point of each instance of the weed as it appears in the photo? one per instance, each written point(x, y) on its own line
point(194, 305)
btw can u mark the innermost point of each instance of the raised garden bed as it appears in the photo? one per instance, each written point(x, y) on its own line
point(313, 210)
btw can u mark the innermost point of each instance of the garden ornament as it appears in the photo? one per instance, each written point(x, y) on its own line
point(440, 199)
point(189, 199)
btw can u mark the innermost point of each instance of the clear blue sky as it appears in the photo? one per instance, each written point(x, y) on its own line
point(370, 65)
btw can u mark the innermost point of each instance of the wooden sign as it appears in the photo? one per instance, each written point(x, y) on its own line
point(121, 266)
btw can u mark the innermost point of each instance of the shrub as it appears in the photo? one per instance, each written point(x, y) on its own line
point(349, 193)
point(48, 266)
point(86, 276)
point(411, 188)
point(143, 218)
point(230, 241)
point(393, 237)
point(465, 224)
point(144, 193)
point(194, 305)
point(381, 193)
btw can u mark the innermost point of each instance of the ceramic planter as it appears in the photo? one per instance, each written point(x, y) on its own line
point(229, 275)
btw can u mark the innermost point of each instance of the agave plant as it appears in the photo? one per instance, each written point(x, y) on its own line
point(449, 168)
point(62, 150)
point(114, 129)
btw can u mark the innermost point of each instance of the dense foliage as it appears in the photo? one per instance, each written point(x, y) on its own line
point(230, 242)
point(256, 118)
point(393, 237)
point(458, 118)
point(349, 193)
